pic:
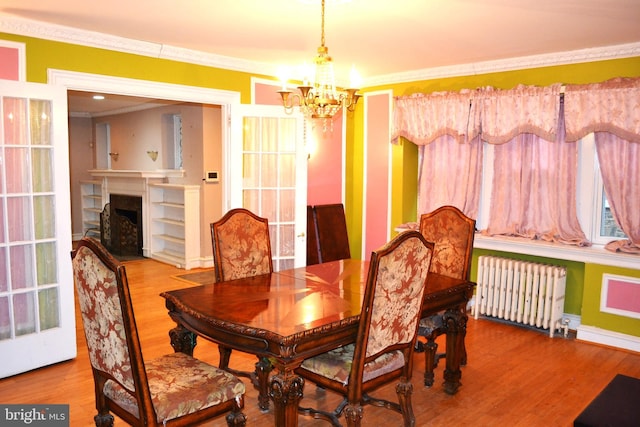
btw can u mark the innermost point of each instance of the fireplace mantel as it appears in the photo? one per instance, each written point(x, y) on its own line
point(158, 173)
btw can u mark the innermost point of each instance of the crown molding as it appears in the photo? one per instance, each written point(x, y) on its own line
point(31, 28)
point(510, 64)
point(59, 33)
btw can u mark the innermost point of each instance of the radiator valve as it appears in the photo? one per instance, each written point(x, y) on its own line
point(565, 326)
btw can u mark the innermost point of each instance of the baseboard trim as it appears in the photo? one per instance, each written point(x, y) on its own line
point(608, 338)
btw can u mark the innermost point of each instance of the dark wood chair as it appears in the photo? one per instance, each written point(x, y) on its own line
point(452, 232)
point(242, 248)
point(172, 390)
point(387, 332)
point(331, 232)
point(313, 250)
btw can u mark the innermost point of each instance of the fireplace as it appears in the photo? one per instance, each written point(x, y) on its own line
point(125, 214)
point(131, 184)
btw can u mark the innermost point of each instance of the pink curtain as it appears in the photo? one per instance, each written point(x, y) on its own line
point(450, 173)
point(611, 110)
point(535, 154)
point(534, 171)
point(446, 126)
point(612, 106)
point(533, 194)
point(620, 167)
point(523, 109)
point(422, 118)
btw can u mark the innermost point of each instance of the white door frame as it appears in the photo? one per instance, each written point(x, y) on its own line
point(229, 100)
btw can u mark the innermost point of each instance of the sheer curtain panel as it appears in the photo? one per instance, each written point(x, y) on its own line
point(611, 110)
point(446, 126)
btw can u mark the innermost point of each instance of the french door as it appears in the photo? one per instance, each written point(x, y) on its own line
point(37, 319)
point(268, 176)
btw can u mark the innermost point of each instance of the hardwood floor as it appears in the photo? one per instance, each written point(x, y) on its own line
point(515, 376)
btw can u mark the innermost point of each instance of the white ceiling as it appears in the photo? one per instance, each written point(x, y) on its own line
point(379, 37)
point(82, 104)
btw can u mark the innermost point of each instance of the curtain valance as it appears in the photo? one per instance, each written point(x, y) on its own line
point(612, 106)
point(524, 109)
point(498, 115)
point(422, 118)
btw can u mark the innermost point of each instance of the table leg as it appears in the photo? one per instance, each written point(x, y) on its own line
point(182, 340)
point(456, 325)
point(263, 368)
point(286, 391)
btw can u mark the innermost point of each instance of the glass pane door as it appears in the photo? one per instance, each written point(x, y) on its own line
point(37, 323)
point(269, 179)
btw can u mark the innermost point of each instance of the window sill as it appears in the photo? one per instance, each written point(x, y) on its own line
point(595, 254)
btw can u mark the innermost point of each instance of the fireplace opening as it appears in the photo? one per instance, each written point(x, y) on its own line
point(125, 224)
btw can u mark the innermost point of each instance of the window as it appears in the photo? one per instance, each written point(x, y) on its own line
point(608, 226)
point(605, 228)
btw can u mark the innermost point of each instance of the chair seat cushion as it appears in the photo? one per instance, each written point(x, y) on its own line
point(336, 364)
point(179, 385)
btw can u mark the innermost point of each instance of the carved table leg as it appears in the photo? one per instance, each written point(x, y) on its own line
point(263, 368)
point(456, 325)
point(286, 392)
point(430, 361)
point(182, 340)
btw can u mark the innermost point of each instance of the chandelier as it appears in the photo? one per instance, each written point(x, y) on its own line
point(319, 99)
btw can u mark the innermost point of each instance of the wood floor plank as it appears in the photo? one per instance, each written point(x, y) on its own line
point(515, 376)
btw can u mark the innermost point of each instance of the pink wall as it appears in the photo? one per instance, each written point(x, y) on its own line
point(9, 63)
point(266, 94)
point(376, 185)
point(324, 173)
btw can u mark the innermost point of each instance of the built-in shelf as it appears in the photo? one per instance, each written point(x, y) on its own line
point(92, 205)
point(170, 212)
point(175, 224)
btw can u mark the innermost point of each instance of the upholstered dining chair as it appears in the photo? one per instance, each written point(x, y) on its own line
point(452, 232)
point(242, 248)
point(171, 390)
point(386, 337)
point(241, 245)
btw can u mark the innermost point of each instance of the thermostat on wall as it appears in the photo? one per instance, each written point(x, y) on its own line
point(212, 176)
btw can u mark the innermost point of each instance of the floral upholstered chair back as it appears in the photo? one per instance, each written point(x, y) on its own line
point(241, 245)
point(394, 295)
point(95, 273)
point(452, 232)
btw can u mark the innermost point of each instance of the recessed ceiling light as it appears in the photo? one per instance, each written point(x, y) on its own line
point(98, 97)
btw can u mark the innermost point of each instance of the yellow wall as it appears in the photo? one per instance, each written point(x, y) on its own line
point(43, 54)
point(591, 314)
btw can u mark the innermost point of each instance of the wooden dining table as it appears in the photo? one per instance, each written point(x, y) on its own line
point(288, 316)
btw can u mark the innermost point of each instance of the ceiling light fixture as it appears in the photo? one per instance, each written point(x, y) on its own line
point(319, 99)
